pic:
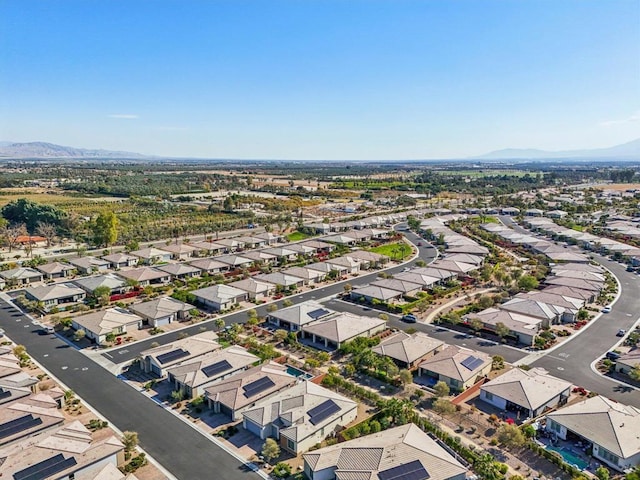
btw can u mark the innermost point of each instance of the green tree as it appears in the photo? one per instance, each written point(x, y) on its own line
point(476, 324)
point(219, 323)
point(527, 283)
point(286, 303)
point(510, 436)
point(280, 334)
point(281, 470)
point(270, 450)
point(105, 229)
point(102, 295)
point(406, 377)
point(634, 373)
point(441, 389)
point(602, 473)
point(29, 213)
point(442, 406)
point(485, 301)
point(502, 330)
point(129, 440)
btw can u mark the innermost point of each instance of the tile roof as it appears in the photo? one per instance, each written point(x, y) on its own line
point(448, 362)
point(343, 326)
point(407, 348)
point(160, 307)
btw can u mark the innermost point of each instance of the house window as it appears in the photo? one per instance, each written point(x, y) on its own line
point(488, 396)
point(291, 445)
point(554, 426)
point(608, 456)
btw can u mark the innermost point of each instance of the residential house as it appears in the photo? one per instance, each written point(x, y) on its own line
point(467, 258)
point(512, 211)
point(411, 276)
point(406, 350)
point(549, 314)
point(301, 249)
point(210, 266)
point(55, 296)
point(180, 271)
point(523, 328)
point(98, 325)
point(327, 268)
point(180, 251)
point(404, 452)
point(459, 268)
point(89, 265)
point(252, 242)
point(27, 415)
point(121, 260)
point(340, 239)
point(258, 257)
point(16, 277)
point(193, 376)
point(68, 452)
point(295, 317)
point(145, 276)
point(256, 289)
point(308, 275)
point(152, 255)
point(162, 311)
point(241, 392)
point(628, 361)
point(588, 296)
point(270, 237)
point(54, 270)
point(231, 244)
point(471, 249)
point(235, 261)
point(458, 367)
point(409, 289)
point(331, 332)
point(444, 275)
point(220, 297)
point(203, 249)
point(374, 293)
point(528, 393)
point(90, 284)
point(157, 360)
point(368, 259)
point(300, 417)
point(282, 254)
point(320, 247)
point(610, 428)
point(281, 279)
point(351, 265)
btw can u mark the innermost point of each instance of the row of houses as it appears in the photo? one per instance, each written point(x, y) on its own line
point(569, 287)
point(38, 441)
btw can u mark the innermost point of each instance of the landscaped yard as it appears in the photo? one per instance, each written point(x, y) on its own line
point(395, 251)
point(297, 236)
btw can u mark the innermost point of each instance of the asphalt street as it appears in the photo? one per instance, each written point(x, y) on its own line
point(178, 447)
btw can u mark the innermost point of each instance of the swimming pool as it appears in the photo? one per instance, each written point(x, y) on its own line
point(296, 372)
point(570, 457)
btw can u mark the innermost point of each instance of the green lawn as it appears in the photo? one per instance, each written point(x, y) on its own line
point(297, 236)
point(395, 251)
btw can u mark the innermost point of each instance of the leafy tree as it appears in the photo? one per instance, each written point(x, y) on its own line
point(502, 330)
point(280, 334)
point(219, 323)
point(272, 307)
point(497, 362)
point(79, 335)
point(485, 301)
point(602, 473)
point(270, 450)
point(129, 440)
point(406, 377)
point(442, 406)
point(634, 373)
point(102, 295)
point(528, 432)
point(441, 389)
point(527, 283)
point(282, 470)
point(105, 230)
point(476, 324)
point(286, 303)
point(510, 436)
point(29, 213)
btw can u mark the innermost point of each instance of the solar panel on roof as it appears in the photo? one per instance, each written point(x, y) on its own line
point(18, 425)
point(320, 312)
point(216, 368)
point(322, 411)
point(409, 471)
point(258, 386)
point(471, 362)
point(46, 468)
point(173, 355)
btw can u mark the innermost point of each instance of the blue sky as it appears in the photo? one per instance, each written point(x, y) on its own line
point(320, 79)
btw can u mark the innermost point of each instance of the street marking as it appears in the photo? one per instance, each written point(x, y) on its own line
point(84, 369)
point(46, 355)
point(560, 368)
point(64, 367)
point(564, 355)
point(26, 326)
point(121, 352)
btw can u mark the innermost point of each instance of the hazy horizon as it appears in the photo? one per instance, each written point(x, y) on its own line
point(334, 80)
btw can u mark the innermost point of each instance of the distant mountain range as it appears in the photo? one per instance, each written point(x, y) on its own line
point(629, 150)
point(52, 151)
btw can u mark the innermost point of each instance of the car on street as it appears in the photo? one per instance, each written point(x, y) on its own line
point(409, 318)
point(606, 309)
point(621, 332)
point(419, 244)
point(48, 329)
point(612, 355)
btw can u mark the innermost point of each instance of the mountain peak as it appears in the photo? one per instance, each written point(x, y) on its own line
point(50, 150)
point(629, 150)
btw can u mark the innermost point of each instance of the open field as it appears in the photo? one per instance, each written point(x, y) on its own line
point(297, 236)
point(619, 187)
point(483, 172)
point(395, 251)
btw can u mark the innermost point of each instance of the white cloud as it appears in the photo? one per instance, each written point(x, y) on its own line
point(633, 118)
point(126, 116)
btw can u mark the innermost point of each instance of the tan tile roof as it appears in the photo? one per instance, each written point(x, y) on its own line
point(343, 327)
point(612, 425)
point(531, 389)
point(448, 362)
point(407, 348)
point(365, 457)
